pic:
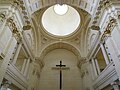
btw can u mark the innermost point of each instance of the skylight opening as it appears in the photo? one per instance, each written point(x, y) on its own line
point(60, 9)
point(63, 23)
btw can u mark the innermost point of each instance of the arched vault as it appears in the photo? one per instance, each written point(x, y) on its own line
point(59, 45)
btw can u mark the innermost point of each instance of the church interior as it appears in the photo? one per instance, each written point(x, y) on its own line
point(59, 44)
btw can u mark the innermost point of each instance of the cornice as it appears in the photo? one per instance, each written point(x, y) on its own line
point(103, 5)
point(100, 9)
point(19, 5)
point(84, 4)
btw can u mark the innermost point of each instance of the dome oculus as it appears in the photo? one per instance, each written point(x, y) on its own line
point(62, 23)
point(60, 9)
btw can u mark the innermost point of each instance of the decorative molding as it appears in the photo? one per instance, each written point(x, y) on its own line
point(38, 61)
point(102, 4)
point(82, 61)
point(2, 56)
point(94, 27)
point(27, 27)
point(14, 29)
point(112, 23)
point(118, 16)
point(21, 6)
point(44, 39)
point(2, 17)
point(77, 3)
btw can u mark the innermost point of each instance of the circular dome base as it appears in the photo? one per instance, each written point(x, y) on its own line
point(61, 25)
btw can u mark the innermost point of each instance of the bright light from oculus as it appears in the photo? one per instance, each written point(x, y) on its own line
point(60, 9)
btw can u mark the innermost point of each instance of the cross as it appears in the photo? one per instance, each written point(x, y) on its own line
point(61, 67)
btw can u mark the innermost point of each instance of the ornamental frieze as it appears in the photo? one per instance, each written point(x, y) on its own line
point(112, 23)
point(14, 29)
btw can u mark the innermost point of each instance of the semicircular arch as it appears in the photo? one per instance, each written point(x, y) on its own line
point(59, 45)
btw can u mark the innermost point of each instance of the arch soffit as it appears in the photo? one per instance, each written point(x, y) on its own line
point(36, 34)
point(59, 45)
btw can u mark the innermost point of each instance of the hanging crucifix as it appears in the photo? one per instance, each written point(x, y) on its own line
point(61, 67)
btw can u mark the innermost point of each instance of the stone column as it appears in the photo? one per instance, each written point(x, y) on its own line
point(97, 66)
point(104, 54)
point(92, 70)
point(27, 66)
point(115, 86)
point(16, 53)
point(94, 67)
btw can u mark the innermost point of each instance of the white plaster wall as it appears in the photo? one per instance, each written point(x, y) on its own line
point(49, 79)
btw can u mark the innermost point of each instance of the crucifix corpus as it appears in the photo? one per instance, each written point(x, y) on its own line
point(61, 67)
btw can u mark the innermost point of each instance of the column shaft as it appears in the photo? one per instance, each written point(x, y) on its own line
point(94, 68)
point(97, 66)
point(23, 66)
point(27, 66)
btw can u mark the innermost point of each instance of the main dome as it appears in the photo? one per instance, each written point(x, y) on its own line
point(60, 20)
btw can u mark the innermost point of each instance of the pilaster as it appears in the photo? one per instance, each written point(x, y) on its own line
point(23, 66)
point(94, 67)
point(104, 53)
point(27, 67)
point(97, 66)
